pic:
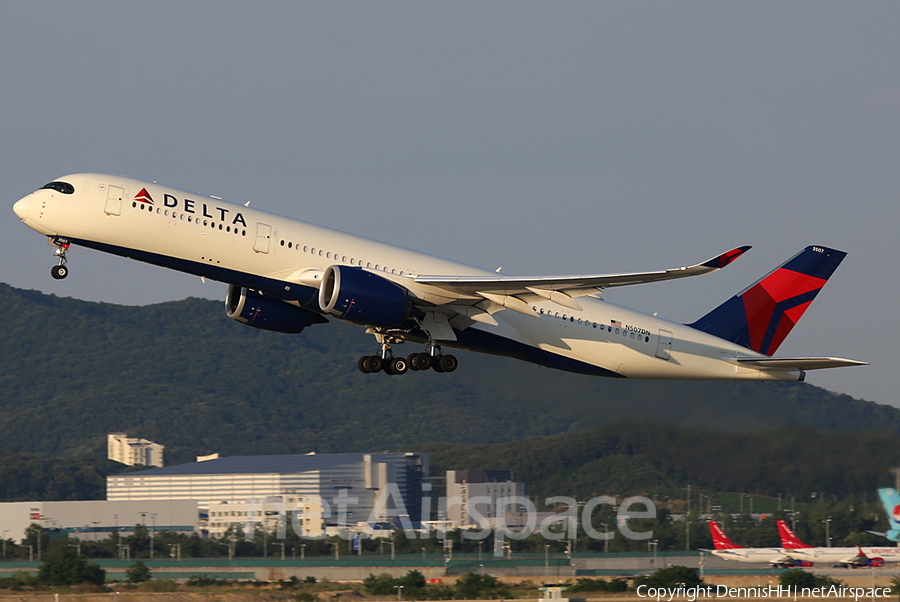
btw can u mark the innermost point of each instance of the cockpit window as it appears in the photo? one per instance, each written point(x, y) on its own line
point(63, 187)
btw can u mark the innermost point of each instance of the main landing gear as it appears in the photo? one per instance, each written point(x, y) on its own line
point(386, 362)
point(60, 270)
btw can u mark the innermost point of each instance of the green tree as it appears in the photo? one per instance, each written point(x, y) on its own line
point(379, 585)
point(799, 579)
point(63, 566)
point(138, 573)
point(474, 587)
point(672, 576)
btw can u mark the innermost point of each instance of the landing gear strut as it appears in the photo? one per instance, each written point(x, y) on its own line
point(433, 358)
point(60, 270)
point(387, 362)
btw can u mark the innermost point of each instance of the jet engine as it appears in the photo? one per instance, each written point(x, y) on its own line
point(252, 308)
point(362, 297)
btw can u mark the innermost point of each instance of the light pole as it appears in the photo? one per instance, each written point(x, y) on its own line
point(687, 536)
point(230, 550)
point(152, 534)
point(827, 522)
point(281, 543)
point(546, 559)
point(399, 589)
point(302, 551)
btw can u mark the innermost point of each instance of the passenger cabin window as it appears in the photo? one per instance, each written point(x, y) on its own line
point(63, 187)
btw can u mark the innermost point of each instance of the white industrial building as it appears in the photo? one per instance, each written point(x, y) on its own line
point(314, 486)
point(132, 451)
point(97, 519)
point(472, 494)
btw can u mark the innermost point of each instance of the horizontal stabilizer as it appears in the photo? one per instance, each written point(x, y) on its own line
point(798, 363)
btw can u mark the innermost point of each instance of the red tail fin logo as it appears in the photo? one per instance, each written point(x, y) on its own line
point(786, 292)
point(789, 539)
point(720, 540)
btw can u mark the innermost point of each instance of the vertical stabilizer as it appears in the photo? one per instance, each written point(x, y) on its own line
point(789, 540)
point(762, 316)
point(890, 499)
point(720, 540)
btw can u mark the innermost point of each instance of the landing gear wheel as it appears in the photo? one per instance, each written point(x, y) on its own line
point(59, 272)
point(362, 365)
point(425, 361)
point(448, 363)
point(419, 361)
point(373, 363)
point(398, 365)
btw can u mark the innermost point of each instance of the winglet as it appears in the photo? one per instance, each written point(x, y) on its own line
point(726, 258)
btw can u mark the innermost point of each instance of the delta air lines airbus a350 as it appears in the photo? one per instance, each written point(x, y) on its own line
point(284, 275)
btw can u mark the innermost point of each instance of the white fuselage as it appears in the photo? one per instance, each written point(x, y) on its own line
point(774, 556)
point(843, 555)
point(239, 245)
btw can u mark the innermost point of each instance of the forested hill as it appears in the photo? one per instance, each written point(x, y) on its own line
point(638, 457)
point(184, 375)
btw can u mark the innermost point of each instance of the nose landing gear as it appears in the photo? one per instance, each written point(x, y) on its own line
point(60, 270)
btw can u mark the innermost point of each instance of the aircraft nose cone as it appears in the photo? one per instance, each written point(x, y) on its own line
point(21, 207)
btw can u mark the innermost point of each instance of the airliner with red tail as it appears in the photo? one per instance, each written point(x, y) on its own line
point(728, 550)
point(852, 557)
point(285, 275)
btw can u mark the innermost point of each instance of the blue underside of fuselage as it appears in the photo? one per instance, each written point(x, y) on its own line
point(470, 339)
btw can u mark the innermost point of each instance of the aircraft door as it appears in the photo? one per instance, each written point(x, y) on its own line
point(664, 349)
point(263, 236)
point(114, 197)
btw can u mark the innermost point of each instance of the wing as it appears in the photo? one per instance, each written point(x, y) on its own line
point(514, 292)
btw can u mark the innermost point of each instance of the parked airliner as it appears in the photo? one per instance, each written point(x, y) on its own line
point(728, 550)
point(284, 275)
point(853, 557)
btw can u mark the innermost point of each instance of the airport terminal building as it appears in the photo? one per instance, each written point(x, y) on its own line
point(97, 519)
point(231, 489)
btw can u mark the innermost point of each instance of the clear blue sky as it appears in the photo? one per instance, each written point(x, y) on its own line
point(579, 137)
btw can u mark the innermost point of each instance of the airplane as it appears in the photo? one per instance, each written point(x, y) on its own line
point(728, 550)
point(284, 275)
point(852, 557)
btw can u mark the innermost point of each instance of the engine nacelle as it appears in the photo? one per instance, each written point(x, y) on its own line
point(266, 313)
point(876, 562)
point(362, 297)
